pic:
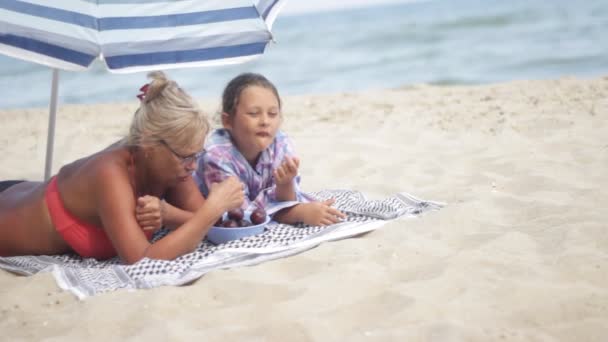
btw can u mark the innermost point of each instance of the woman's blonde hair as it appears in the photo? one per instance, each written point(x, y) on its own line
point(167, 113)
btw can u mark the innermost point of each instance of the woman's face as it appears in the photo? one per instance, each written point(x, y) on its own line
point(178, 162)
point(256, 121)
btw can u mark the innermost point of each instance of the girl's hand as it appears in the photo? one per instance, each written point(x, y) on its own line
point(227, 194)
point(149, 212)
point(287, 171)
point(321, 213)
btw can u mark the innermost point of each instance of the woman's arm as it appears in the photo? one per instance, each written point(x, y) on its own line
point(185, 195)
point(116, 208)
point(214, 173)
point(181, 202)
point(177, 207)
point(153, 213)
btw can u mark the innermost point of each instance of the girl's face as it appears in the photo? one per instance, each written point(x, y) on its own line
point(255, 123)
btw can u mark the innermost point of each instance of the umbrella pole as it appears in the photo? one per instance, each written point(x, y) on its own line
point(50, 138)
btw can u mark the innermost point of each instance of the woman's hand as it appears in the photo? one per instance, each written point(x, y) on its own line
point(149, 212)
point(287, 171)
point(227, 194)
point(321, 213)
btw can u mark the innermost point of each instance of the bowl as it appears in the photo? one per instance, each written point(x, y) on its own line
point(219, 235)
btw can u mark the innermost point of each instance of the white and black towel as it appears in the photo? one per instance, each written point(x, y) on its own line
point(87, 277)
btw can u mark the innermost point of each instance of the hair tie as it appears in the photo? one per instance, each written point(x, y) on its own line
point(144, 90)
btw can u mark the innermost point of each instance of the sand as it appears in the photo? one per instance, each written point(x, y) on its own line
point(520, 253)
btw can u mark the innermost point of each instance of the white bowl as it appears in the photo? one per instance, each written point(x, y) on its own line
point(219, 235)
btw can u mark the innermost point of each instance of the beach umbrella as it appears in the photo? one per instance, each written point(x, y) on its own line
point(133, 35)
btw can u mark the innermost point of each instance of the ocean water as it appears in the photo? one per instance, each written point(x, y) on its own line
point(436, 42)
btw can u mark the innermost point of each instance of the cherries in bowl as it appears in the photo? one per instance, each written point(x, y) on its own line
point(237, 224)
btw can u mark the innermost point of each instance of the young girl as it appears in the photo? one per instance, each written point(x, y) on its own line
point(251, 147)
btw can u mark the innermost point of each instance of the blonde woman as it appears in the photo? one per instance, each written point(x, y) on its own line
point(107, 204)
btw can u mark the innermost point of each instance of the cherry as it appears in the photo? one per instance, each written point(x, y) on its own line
point(236, 214)
point(230, 224)
point(258, 216)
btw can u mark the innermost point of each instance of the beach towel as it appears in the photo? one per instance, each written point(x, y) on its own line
point(86, 277)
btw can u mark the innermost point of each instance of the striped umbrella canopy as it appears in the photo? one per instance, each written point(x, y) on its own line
point(133, 35)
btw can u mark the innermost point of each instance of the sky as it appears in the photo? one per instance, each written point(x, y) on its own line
point(301, 6)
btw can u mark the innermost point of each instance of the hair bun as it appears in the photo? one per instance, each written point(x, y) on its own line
point(157, 85)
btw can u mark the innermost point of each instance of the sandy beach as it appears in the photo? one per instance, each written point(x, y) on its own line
point(520, 253)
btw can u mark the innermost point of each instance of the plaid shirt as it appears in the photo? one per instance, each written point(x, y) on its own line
point(223, 159)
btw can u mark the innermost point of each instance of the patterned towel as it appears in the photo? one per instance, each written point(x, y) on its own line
point(87, 277)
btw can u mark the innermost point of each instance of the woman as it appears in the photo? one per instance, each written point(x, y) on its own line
point(107, 204)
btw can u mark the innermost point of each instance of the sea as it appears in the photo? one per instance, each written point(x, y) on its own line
point(439, 42)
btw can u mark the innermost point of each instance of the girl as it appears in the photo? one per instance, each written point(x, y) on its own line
point(251, 147)
point(100, 206)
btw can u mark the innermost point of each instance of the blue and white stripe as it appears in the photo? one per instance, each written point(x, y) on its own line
point(136, 35)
